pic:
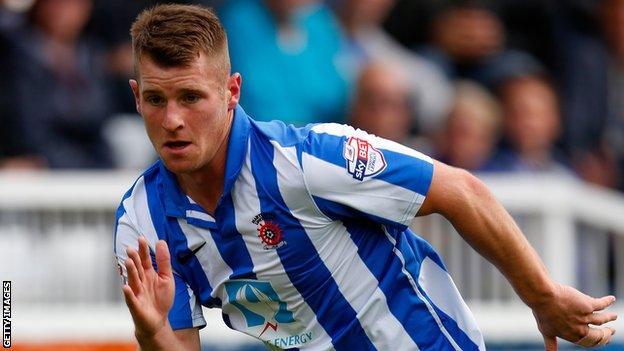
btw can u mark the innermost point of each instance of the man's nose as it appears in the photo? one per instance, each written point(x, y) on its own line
point(174, 117)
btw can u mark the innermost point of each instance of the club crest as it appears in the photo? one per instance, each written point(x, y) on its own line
point(269, 231)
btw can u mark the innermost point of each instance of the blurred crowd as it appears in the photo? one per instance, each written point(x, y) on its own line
point(502, 85)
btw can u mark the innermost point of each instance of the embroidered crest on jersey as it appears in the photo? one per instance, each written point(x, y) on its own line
point(269, 231)
point(266, 315)
point(363, 160)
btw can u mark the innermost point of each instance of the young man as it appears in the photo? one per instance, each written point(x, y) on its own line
point(300, 235)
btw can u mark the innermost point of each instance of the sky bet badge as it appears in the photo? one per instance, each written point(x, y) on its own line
point(363, 160)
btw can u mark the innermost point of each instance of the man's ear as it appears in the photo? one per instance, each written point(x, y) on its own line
point(234, 89)
point(134, 85)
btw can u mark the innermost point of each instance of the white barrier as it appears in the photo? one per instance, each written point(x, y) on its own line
point(56, 247)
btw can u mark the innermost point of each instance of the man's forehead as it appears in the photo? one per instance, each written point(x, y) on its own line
point(209, 66)
point(196, 76)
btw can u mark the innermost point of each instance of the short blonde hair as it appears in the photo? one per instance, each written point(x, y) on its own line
point(175, 35)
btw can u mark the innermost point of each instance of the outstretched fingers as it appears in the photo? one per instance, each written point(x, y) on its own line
point(163, 260)
point(601, 303)
point(130, 298)
point(602, 318)
point(134, 281)
point(144, 254)
point(136, 259)
point(596, 337)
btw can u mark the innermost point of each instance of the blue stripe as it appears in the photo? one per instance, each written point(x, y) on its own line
point(460, 337)
point(377, 253)
point(180, 314)
point(341, 212)
point(402, 170)
point(285, 135)
point(230, 242)
point(210, 225)
point(301, 262)
point(196, 207)
point(168, 229)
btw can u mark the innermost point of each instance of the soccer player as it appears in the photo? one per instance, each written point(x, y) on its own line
point(300, 235)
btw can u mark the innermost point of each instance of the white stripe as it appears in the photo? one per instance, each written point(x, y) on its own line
point(342, 130)
point(439, 286)
point(199, 215)
point(372, 196)
point(216, 269)
point(267, 264)
point(139, 215)
point(196, 311)
point(420, 295)
point(340, 255)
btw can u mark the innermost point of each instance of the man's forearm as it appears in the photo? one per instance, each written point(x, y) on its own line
point(164, 339)
point(490, 230)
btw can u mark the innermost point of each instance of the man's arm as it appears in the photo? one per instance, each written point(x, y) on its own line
point(149, 296)
point(482, 221)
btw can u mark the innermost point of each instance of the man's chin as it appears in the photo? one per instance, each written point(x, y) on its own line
point(179, 166)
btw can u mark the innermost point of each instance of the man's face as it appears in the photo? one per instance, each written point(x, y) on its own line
point(187, 110)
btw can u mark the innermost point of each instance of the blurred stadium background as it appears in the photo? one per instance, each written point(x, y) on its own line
point(528, 94)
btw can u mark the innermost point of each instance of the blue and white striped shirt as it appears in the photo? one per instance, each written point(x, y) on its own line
point(309, 246)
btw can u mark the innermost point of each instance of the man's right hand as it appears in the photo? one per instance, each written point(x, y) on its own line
point(149, 294)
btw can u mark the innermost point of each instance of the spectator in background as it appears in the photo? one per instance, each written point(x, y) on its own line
point(531, 127)
point(60, 100)
point(287, 52)
point(109, 25)
point(467, 40)
point(528, 23)
point(367, 41)
point(592, 80)
point(471, 132)
point(381, 102)
point(12, 151)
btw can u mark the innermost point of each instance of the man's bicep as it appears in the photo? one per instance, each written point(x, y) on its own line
point(449, 190)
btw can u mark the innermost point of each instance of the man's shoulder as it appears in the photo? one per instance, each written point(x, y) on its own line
point(289, 135)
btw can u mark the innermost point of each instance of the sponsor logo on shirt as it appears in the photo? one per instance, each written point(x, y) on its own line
point(363, 160)
point(269, 231)
point(266, 315)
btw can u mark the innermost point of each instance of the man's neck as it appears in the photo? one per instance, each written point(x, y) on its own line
point(205, 186)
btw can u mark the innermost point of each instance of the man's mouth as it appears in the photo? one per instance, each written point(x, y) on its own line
point(176, 145)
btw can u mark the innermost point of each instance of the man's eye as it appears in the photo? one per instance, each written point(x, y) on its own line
point(191, 98)
point(154, 100)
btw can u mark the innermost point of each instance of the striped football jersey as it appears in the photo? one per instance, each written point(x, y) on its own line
point(309, 246)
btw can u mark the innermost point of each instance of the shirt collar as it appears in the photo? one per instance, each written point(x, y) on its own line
point(175, 201)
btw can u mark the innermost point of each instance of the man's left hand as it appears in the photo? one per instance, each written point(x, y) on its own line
point(574, 316)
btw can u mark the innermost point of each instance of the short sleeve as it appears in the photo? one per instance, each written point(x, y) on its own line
point(352, 174)
point(186, 310)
